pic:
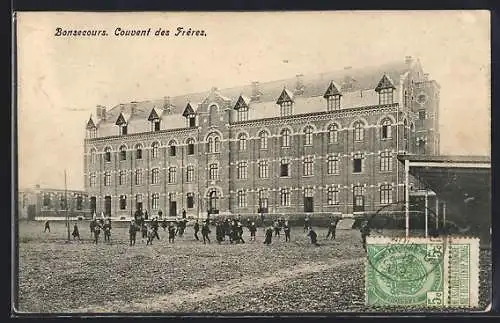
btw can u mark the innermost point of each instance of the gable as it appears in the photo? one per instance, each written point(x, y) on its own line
point(285, 96)
point(153, 115)
point(331, 90)
point(385, 83)
point(188, 110)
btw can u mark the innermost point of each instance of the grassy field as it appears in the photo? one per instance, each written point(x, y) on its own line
point(188, 276)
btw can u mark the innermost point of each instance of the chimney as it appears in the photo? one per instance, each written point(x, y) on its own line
point(133, 107)
point(101, 112)
point(256, 91)
point(299, 86)
point(408, 60)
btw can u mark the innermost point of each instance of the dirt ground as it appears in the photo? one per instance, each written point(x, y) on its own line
point(188, 276)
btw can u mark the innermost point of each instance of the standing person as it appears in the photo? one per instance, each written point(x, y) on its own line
point(151, 235)
point(146, 215)
point(47, 226)
point(205, 230)
point(219, 232)
point(144, 231)
point(307, 223)
point(332, 228)
point(97, 232)
point(314, 237)
point(239, 232)
point(171, 233)
point(164, 224)
point(365, 231)
point(107, 230)
point(132, 231)
point(269, 236)
point(196, 228)
point(277, 228)
point(286, 228)
point(76, 232)
point(155, 226)
point(252, 228)
point(183, 213)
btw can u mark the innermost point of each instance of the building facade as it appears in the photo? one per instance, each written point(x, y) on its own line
point(39, 203)
point(311, 144)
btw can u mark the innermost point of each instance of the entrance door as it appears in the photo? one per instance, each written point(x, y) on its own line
point(107, 206)
point(138, 206)
point(173, 208)
point(308, 204)
point(93, 205)
point(213, 202)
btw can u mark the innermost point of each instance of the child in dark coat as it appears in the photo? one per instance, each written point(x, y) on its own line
point(269, 236)
point(314, 237)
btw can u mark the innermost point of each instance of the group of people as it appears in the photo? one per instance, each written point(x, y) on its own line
point(225, 229)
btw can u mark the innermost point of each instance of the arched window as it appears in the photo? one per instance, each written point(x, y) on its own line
point(138, 151)
point(123, 152)
point(359, 132)
point(263, 135)
point(242, 141)
point(190, 146)
point(213, 201)
point(212, 116)
point(172, 175)
point(92, 156)
point(155, 147)
point(172, 148)
point(189, 173)
point(122, 179)
point(386, 130)
point(308, 136)
point(107, 154)
point(213, 143)
point(285, 138)
point(332, 134)
point(138, 177)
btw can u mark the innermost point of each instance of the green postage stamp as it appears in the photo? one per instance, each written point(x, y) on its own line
point(422, 272)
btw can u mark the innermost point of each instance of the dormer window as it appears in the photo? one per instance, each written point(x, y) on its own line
point(242, 107)
point(91, 129)
point(285, 101)
point(332, 96)
point(190, 116)
point(121, 122)
point(154, 118)
point(385, 89)
point(172, 148)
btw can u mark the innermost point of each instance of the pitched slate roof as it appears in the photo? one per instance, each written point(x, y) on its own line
point(385, 83)
point(367, 78)
point(333, 89)
point(242, 101)
point(90, 123)
point(285, 96)
point(155, 114)
point(188, 110)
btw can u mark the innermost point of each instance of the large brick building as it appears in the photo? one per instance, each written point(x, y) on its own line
point(324, 143)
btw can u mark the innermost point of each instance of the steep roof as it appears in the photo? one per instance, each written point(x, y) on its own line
point(333, 89)
point(385, 83)
point(155, 114)
point(188, 110)
point(90, 123)
point(367, 78)
point(285, 96)
point(242, 101)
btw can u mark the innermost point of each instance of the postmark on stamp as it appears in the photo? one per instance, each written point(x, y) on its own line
point(423, 272)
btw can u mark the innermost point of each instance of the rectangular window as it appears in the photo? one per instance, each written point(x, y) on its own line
point(192, 122)
point(172, 175)
point(332, 165)
point(155, 201)
point(189, 174)
point(286, 108)
point(92, 180)
point(263, 200)
point(107, 179)
point(123, 202)
point(138, 153)
point(386, 96)
point(421, 114)
point(357, 163)
point(79, 202)
point(333, 195)
point(263, 169)
point(385, 194)
point(242, 199)
point(333, 103)
point(243, 114)
point(156, 125)
point(138, 177)
point(124, 130)
point(308, 166)
point(122, 178)
point(213, 172)
point(155, 176)
point(242, 170)
point(172, 151)
point(190, 200)
point(285, 197)
point(284, 168)
point(385, 161)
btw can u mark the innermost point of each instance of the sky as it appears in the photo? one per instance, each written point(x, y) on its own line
point(62, 79)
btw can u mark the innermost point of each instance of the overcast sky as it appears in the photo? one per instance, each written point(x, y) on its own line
point(62, 79)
